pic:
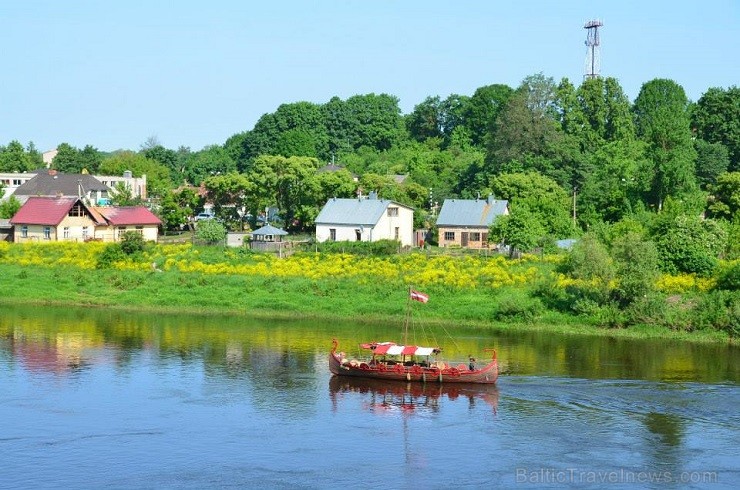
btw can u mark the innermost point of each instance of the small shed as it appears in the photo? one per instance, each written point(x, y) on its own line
point(268, 239)
point(268, 233)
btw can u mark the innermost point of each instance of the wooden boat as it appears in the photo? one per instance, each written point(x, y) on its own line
point(391, 361)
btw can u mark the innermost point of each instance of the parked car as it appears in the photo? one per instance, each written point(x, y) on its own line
point(204, 216)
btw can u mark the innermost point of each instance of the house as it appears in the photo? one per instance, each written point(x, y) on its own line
point(465, 222)
point(136, 185)
point(71, 219)
point(366, 219)
point(52, 183)
point(10, 181)
point(56, 184)
point(121, 219)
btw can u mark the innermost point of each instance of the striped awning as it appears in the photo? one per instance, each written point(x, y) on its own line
point(392, 349)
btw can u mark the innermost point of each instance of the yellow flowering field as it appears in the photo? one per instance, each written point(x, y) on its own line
point(419, 269)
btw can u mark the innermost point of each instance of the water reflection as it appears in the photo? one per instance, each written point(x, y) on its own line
point(408, 398)
point(63, 340)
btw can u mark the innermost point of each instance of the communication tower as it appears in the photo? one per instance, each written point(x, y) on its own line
point(592, 46)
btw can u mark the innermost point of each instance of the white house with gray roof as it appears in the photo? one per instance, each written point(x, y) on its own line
point(366, 219)
point(465, 222)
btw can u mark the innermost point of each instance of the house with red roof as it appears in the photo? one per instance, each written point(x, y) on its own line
point(61, 219)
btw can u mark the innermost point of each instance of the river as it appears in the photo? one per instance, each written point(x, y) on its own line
point(99, 399)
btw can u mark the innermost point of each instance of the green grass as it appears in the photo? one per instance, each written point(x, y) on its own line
point(259, 296)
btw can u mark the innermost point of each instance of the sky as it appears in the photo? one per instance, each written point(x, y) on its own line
point(113, 74)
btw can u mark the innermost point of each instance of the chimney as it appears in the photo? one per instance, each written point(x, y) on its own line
point(52, 171)
point(373, 195)
point(491, 199)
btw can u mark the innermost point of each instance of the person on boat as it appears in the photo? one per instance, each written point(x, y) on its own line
point(471, 366)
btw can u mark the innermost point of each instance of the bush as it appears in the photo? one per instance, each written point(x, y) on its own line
point(210, 231)
point(111, 254)
point(637, 268)
point(379, 248)
point(518, 307)
point(729, 278)
point(132, 242)
point(719, 310)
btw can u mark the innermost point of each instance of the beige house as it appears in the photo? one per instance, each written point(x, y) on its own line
point(45, 219)
point(465, 222)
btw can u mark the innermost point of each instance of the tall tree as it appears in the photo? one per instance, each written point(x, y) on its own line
point(157, 175)
point(305, 117)
point(231, 195)
point(716, 119)
point(163, 155)
point(290, 183)
point(13, 158)
point(528, 134)
point(543, 198)
point(712, 160)
point(662, 120)
point(483, 109)
point(211, 160)
point(67, 159)
point(89, 159)
point(724, 201)
point(425, 121)
point(614, 188)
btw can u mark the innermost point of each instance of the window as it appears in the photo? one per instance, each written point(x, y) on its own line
point(474, 236)
point(17, 182)
point(66, 231)
point(121, 231)
point(358, 235)
point(24, 231)
point(333, 234)
point(392, 212)
point(450, 236)
point(77, 210)
point(47, 232)
point(84, 232)
point(395, 234)
point(140, 229)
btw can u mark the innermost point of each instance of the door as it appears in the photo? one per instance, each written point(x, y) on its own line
point(464, 239)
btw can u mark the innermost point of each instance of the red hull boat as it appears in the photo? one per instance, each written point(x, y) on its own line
point(410, 366)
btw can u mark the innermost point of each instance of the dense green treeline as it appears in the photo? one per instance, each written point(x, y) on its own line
point(570, 159)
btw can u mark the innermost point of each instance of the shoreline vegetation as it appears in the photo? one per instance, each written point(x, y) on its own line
point(468, 291)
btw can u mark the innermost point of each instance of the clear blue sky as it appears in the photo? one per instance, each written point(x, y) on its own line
point(193, 73)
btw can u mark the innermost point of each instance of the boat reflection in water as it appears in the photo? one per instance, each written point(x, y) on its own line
point(411, 397)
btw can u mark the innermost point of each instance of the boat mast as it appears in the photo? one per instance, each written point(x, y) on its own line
point(407, 320)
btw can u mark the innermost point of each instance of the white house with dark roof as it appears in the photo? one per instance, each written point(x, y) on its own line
point(366, 219)
point(465, 222)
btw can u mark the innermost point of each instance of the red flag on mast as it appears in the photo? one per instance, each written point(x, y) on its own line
point(418, 296)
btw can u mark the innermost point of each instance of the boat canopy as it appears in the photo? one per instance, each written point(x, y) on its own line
point(392, 349)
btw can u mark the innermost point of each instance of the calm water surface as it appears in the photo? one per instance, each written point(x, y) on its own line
point(91, 399)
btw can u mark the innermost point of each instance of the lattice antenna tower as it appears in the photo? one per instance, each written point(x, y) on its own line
point(593, 60)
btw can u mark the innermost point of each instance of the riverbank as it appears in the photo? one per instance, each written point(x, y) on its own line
point(287, 297)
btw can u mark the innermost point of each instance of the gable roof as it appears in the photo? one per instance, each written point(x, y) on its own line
point(59, 184)
point(128, 215)
point(269, 230)
point(471, 212)
point(360, 211)
point(43, 210)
